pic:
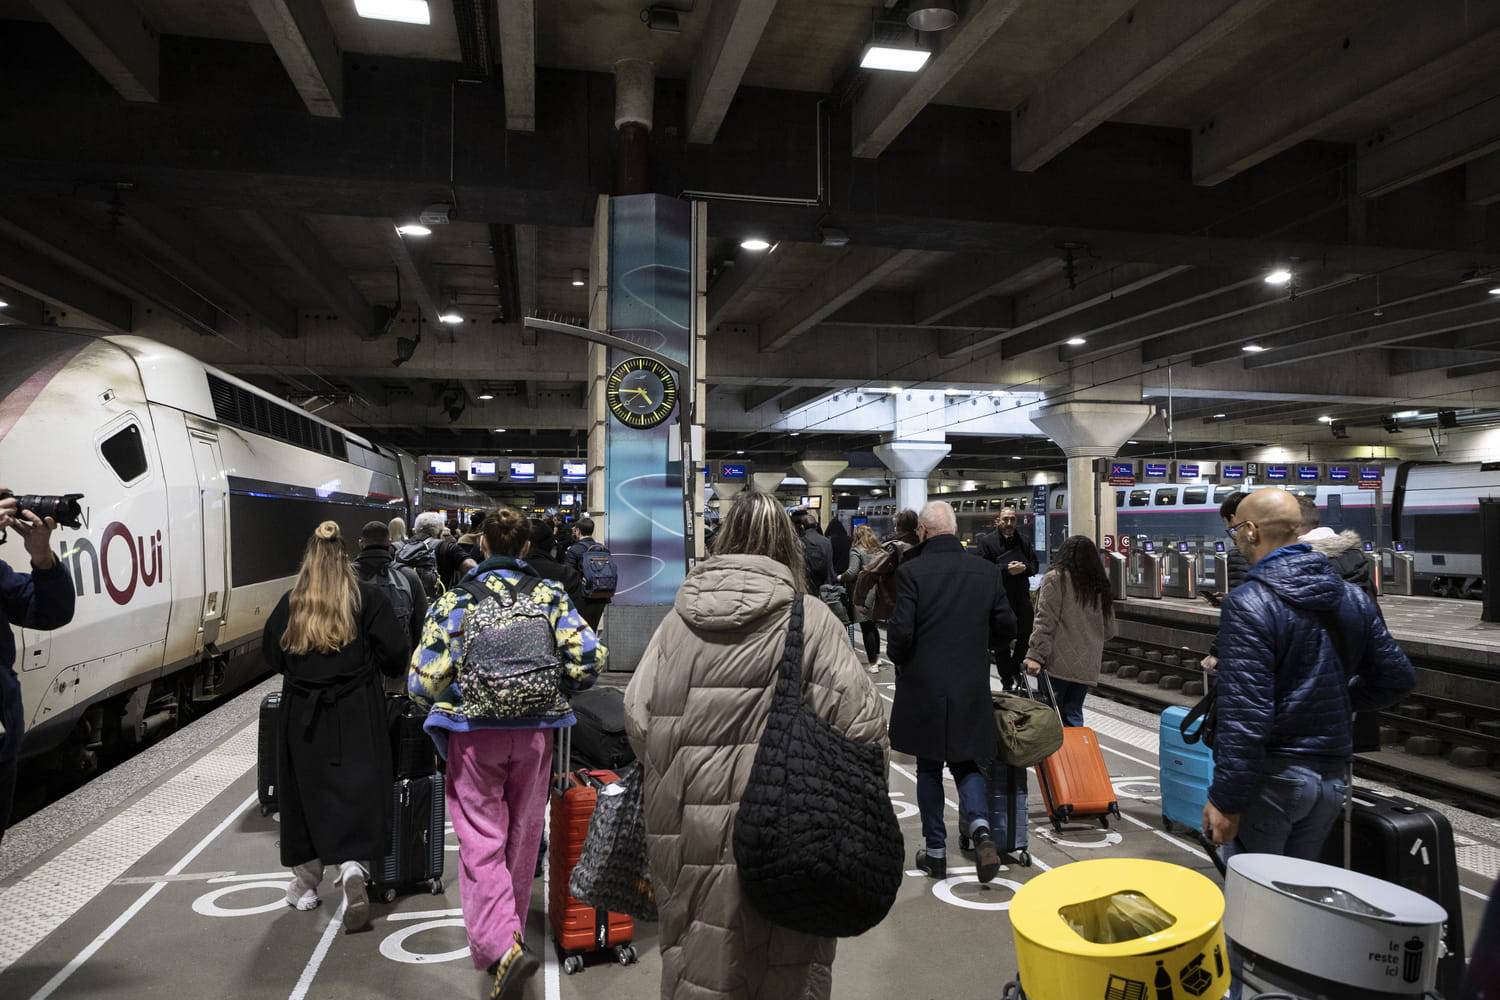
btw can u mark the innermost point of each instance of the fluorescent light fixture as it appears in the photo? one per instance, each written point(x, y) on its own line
point(894, 389)
point(1253, 348)
point(1280, 276)
point(796, 433)
point(755, 243)
point(1076, 341)
point(1408, 413)
point(1127, 442)
point(486, 395)
point(902, 60)
point(414, 229)
point(1220, 416)
point(950, 391)
point(405, 11)
point(579, 277)
point(499, 430)
point(4, 304)
point(1325, 420)
point(1015, 458)
point(1495, 290)
point(740, 452)
point(450, 315)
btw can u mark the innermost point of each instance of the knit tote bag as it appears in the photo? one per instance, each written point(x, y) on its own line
point(815, 838)
point(613, 872)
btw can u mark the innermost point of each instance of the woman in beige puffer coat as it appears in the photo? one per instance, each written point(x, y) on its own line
point(694, 712)
point(1074, 618)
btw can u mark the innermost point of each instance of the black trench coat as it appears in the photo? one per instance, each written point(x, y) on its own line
point(951, 610)
point(334, 749)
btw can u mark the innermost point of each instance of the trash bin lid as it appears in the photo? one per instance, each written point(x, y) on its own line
point(1336, 890)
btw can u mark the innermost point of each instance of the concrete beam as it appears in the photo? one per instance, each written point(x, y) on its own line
point(891, 100)
point(1406, 362)
point(1186, 287)
point(1149, 43)
point(734, 283)
point(517, 27)
point(106, 260)
point(1482, 180)
point(204, 263)
point(418, 275)
point(895, 310)
point(1441, 136)
point(1482, 315)
point(23, 268)
point(1477, 368)
point(303, 38)
point(115, 39)
point(799, 397)
point(297, 247)
point(973, 278)
point(1405, 48)
point(857, 270)
point(729, 39)
point(759, 395)
point(21, 308)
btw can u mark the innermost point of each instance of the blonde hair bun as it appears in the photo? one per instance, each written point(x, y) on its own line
point(328, 531)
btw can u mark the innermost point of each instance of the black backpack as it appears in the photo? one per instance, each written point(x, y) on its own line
point(397, 589)
point(417, 555)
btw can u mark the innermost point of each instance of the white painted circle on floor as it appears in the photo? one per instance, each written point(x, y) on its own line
point(1142, 790)
point(1109, 838)
point(944, 890)
point(394, 947)
point(208, 903)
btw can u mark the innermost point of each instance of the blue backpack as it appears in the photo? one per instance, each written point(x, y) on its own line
point(600, 575)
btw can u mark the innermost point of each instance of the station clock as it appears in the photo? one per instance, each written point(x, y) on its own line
point(640, 392)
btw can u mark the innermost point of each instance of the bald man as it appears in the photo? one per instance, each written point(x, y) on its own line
point(1300, 650)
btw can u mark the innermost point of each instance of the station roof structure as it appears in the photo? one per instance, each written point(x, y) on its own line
point(1069, 195)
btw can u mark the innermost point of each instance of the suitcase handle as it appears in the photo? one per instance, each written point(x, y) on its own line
point(1051, 695)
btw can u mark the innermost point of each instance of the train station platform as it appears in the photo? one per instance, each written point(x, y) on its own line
point(161, 878)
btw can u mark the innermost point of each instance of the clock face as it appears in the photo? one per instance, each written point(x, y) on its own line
point(641, 392)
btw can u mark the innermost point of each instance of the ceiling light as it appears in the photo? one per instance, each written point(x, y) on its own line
point(661, 19)
point(932, 15)
point(1076, 341)
point(740, 452)
point(579, 277)
point(755, 243)
point(499, 430)
point(486, 395)
point(1253, 348)
point(1132, 442)
point(405, 11)
point(1219, 416)
point(1408, 413)
point(450, 314)
point(898, 58)
point(1280, 276)
point(4, 304)
point(1325, 420)
point(1015, 458)
point(894, 389)
point(1495, 290)
point(414, 229)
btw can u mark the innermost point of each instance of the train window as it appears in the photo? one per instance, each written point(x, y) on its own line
point(125, 453)
point(1140, 498)
point(1195, 494)
point(1061, 502)
point(1167, 497)
point(1221, 493)
point(1119, 498)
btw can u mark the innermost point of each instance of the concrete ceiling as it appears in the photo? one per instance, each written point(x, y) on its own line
point(225, 175)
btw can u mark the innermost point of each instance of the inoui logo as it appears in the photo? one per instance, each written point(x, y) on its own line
point(122, 562)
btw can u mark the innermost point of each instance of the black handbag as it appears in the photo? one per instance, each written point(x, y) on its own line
point(815, 838)
point(613, 872)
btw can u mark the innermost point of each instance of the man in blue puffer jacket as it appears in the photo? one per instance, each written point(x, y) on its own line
point(1285, 693)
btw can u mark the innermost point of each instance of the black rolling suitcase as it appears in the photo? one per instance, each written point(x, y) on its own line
point(599, 740)
point(416, 846)
point(1412, 846)
point(267, 778)
point(412, 752)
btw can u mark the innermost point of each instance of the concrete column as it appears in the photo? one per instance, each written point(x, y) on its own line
point(820, 474)
point(727, 491)
point(911, 461)
point(767, 482)
point(1087, 430)
point(635, 90)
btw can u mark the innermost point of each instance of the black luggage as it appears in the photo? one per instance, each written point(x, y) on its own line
point(412, 752)
point(416, 847)
point(267, 778)
point(1412, 846)
point(599, 741)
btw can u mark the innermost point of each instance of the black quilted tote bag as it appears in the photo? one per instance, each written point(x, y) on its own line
point(816, 840)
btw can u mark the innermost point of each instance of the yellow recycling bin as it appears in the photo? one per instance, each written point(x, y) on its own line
point(1121, 929)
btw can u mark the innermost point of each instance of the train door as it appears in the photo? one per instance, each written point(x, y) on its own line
point(213, 511)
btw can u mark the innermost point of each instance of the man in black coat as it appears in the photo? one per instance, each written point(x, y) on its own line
point(816, 549)
point(1012, 551)
point(951, 610)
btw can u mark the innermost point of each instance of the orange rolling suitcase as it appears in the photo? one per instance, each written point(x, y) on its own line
point(1075, 782)
point(578, 929)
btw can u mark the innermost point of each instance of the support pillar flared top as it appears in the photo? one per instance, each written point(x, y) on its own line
point(819, 474)
point(767, 482)
point(1088, 430)
point(910, 462)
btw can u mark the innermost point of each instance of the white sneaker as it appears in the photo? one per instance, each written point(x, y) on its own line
point(302, 890)
point(356, 900)
point(873, 668)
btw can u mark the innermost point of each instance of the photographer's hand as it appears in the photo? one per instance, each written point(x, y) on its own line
point(36, 532)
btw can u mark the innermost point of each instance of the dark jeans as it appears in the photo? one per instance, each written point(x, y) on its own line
point(1012, 667)
point(8, 770)
point(1070, 696)
point(973, 799)
point(871, 632)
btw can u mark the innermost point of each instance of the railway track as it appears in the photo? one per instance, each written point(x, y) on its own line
point(1434, 747)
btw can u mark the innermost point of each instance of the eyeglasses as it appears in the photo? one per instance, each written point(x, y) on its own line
point(1236, 527)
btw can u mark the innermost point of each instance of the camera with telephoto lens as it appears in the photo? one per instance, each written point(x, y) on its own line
point(65, 509)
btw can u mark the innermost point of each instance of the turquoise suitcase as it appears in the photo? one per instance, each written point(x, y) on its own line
point(1187, 769)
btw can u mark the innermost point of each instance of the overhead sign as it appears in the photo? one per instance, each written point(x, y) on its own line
point(1122, 473)
point(478, 467)
point(1338, 473)
point(1309, 473)
point(727, 471)
point(1369, 477)
point(1156, 470)
point(1187, 470)
point(524, 472)
point(1277, 473)
point(1232, 472)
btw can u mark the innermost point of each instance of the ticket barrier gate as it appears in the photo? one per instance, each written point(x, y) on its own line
point(1115, 569)
point(1220, 582)
point(1179, 572)
point(1396, 571)
point(1143, 579)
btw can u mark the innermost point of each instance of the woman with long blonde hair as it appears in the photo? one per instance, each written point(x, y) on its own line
point(863, 546)
point(332, 637)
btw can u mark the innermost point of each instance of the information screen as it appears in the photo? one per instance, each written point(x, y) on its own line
point(443, 466)
point(478, 468)
point(1306, 472)
point(727, 471)
point(523, 471)
point(1233, 472)
point(1156, 470)
point(1338, 473)
point(1186, 470)
point(1277, 473)
point(1369, 473)
point(576, 471)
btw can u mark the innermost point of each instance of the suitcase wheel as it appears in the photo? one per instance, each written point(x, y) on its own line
point(572, 964)
point(265, 809)
point(1104, 822)
point(1057, 824)
point(435, 887)
point(625, 954)
point(1114, 807)
point(388, 895)
point(1025, 858)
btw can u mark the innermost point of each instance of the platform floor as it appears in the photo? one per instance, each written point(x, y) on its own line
point(164, 882)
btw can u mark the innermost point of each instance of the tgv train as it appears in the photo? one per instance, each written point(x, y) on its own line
point(200, 492)
point(1431, 509)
